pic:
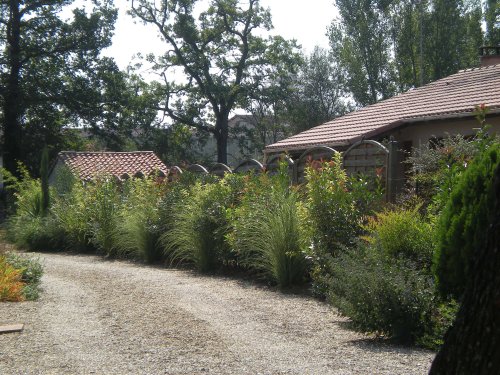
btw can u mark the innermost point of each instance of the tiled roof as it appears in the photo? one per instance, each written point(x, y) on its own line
point(453, 96)
point(120, 164)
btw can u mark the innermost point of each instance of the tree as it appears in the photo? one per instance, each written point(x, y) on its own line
point(386, 47)
point(50, 70)
point(320, 92)
point(492, 21)
point(360, 42)
point(219, 53)
point(472, 345)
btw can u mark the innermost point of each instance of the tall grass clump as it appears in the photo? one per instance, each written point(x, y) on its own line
point(103, 200)
point(267, 233)
point(199, 224)
point(29, 227)
point(138, 225)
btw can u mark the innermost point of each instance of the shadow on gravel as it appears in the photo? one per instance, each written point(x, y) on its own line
point(383, 345)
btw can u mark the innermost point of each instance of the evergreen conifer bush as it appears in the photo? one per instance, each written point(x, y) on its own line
point(464, 220)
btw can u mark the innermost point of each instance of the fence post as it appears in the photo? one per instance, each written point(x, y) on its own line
point(392, 172)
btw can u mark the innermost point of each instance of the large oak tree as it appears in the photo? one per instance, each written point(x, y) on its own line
point(220, 53)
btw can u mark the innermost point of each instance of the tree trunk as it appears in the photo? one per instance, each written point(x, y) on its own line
point(12, 99)
point(472, 345)
point(221, 136)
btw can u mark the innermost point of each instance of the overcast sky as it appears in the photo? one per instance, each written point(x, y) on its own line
point(305, 21)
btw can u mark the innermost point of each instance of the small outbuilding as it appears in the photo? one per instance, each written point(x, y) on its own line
point(121, 165)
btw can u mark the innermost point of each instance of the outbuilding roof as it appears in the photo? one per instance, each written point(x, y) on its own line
point(451, 97)
point(88, 165)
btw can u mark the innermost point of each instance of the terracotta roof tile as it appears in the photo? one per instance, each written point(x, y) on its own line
point(89, 164)
point(453, 96)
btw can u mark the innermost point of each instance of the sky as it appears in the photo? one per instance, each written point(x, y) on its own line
point(305, 21)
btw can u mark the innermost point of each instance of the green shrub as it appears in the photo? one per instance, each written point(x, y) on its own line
point(31, 273)
point(389, 296)
point(267, 233)
point(336, 206)
point(403, 233)
point(103, 200)
point(464, 221)
point(138, 227)
point(28, 227)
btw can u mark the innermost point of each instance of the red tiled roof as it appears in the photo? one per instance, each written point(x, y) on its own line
point(90, 164)
point(450, 97)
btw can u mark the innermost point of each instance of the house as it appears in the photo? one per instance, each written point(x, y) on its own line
point(411, 119)
point(446, 106)
point(122, 165)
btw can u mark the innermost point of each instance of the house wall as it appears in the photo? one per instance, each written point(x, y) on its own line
point(420, 133)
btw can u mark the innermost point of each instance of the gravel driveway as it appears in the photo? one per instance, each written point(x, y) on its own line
point(103, 317)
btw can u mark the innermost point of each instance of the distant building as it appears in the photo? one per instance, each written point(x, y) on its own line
point(246, 140)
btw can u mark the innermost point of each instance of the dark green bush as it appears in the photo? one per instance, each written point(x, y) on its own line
point(464, 221)
point(389, 296)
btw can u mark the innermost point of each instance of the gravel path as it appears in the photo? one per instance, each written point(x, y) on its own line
point(103, 317)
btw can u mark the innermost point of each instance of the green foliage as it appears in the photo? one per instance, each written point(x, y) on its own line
point(102, 199)
point(28, 227)
point(31, 273)
point(73, 212)
point(403, 233)
point(387, 47)
point(50, 66)
point(222, 35)
point(436, 167)
point(267, 234)
point(386, 295)
point(336, 206)
point(464, 221)
point(199, 226)
point(44, 177)
point(138, 220)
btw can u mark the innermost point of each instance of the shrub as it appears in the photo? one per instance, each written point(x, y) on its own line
point(403, 233)
point(336, 207)
point(73, 214)
point(11, 285)
point(267, 233)
point(463, 224)
point(28, 227)
point(31, 273)
point(138, 226)
point(389, 296)
point(102, 204)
